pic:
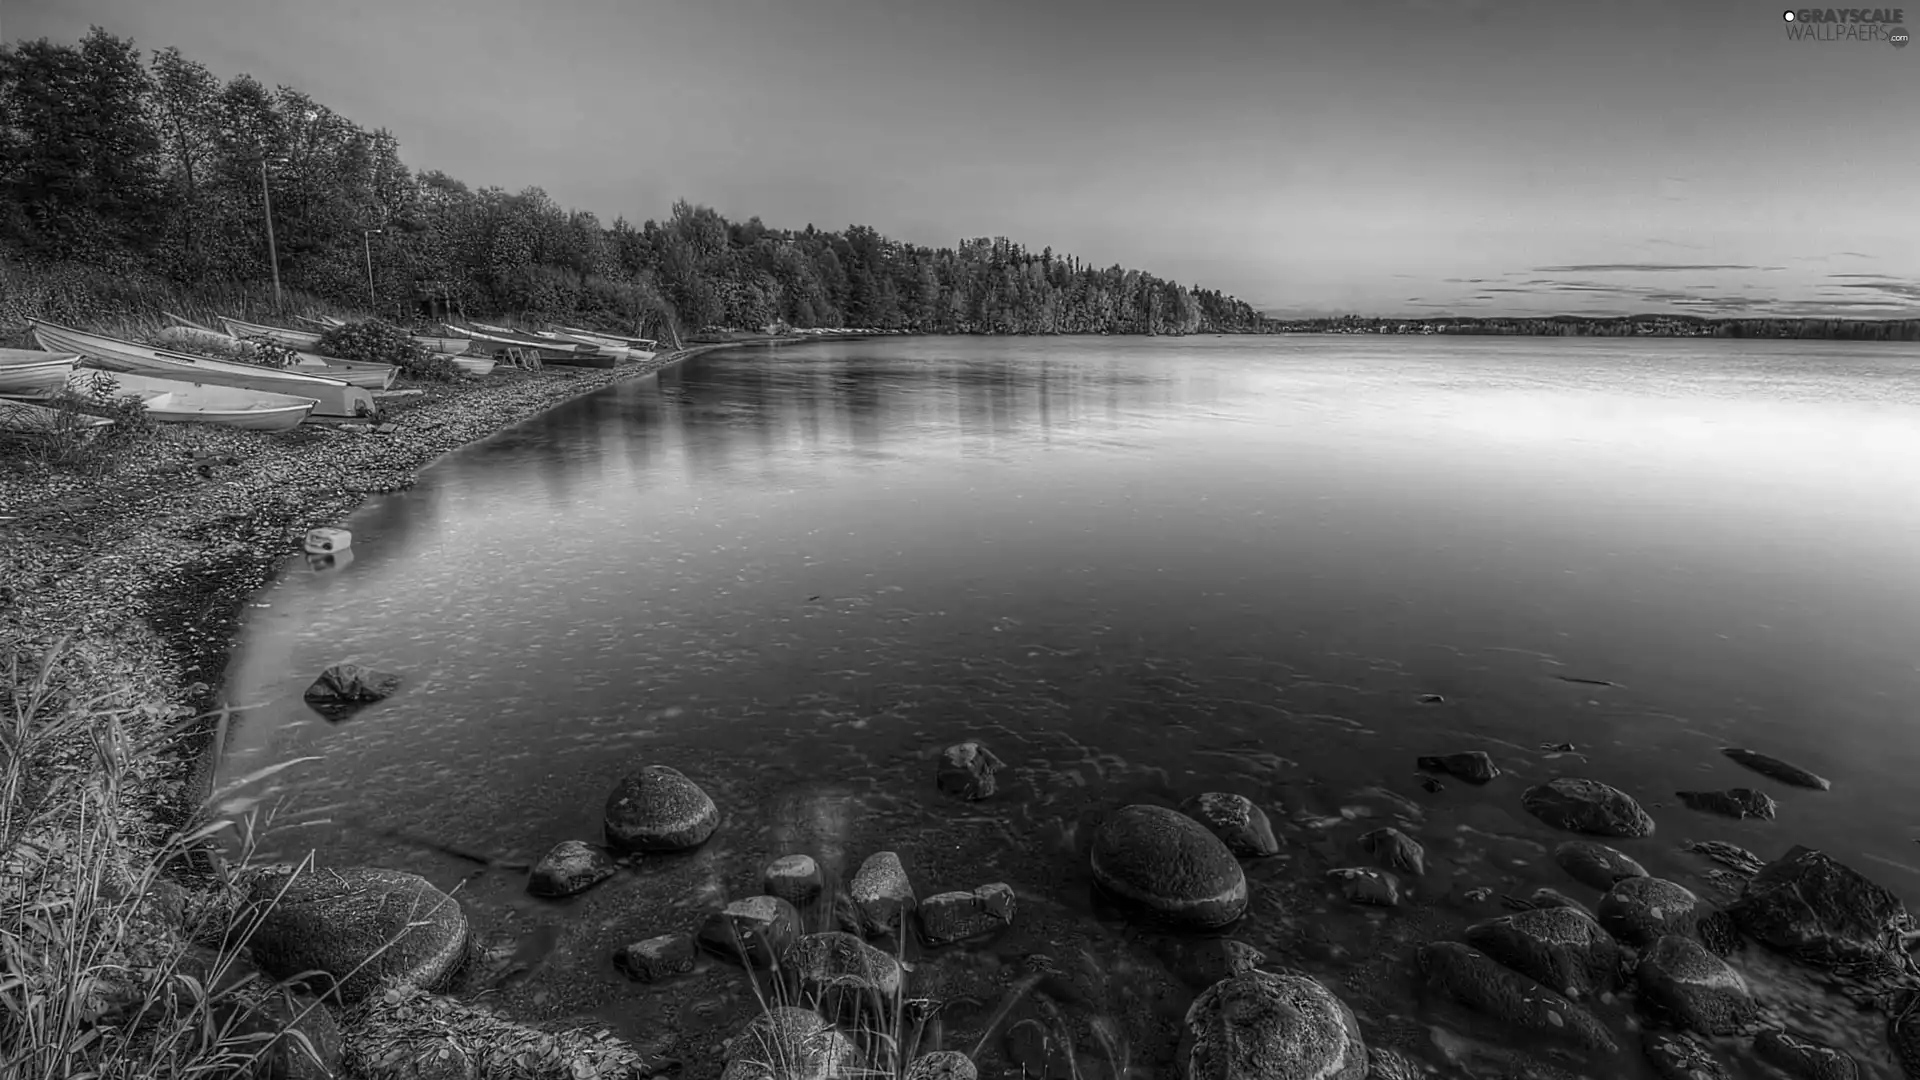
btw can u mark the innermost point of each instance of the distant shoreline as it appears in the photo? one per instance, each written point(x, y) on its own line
point(1613, 326)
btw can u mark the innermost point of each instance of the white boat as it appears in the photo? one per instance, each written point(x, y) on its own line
point(611, 348)
point(291, 339)
point(182, 402)
point(577, 353)
point(637, 348)
point(335, 398)
point(445, 346)
point(324, 322)
point(362, 373)
point(474, 365)
point(32, 373)
point(25, 416)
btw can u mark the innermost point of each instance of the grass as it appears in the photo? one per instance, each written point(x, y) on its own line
point(109, 968)
point(888, 1036)
point(68, 442)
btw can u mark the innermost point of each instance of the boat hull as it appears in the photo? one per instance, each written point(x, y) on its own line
point(445, 346)
point(549, 352)
point(474, 365)
point(292, 339)
point(177, 401)
point(32, 373)
point(333, 397)
point(33, 419)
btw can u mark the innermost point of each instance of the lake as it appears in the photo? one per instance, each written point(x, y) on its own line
point(1137, 569)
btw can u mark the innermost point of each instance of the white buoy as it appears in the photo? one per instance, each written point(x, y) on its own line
point(328, 541)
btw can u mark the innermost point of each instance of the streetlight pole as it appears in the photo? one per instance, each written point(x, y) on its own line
point(273, 253)
point(366, 240)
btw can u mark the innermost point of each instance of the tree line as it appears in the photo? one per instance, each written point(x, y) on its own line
point(113, 160)
point(1614, 326)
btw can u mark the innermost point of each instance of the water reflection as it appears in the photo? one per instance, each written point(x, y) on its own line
point(1139, 569)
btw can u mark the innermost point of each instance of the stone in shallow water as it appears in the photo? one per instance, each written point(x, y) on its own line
point(1641, 910)
point(656, 808)
point(942, 1065)
point(1737, 803)
point(1385, 1064)
point(835, 961)
point(1201, 962)
point(793, 878)
point(1775, 769)
point(1675, 1055)
point(1596, 865)
point(1486, 986)
point(1366, 885)
point(571, 867)
point(1239, 824)
point(1544, 897)
point(1557, 947)
point(1804, 1059)
point(1587, 806)
point(358, 926)
point(1473, 766)
point(881, 894)
point(756, 931)
point(790, 1044)
point(956, 916)
point(966, 770)
point(657, 958)
point(345, 689)
point(1163, 863)
point(1822, 912)
point(1260, 1025)
point(1395, 851)
point(1683, 983)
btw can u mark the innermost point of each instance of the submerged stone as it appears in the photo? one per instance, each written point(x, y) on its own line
point(1587, 806)
point(956, 916)
point(1239, 824)
point(1163, 863)
point(358, 927)
point(345, 689)
point(1804, 1059)
point(1486, 986)
point(1259, 1025)
point(967, 770)
point(657, 958)
point(1775, 769)
point(1366, 885)
point(1595, 865)
point(756, 931)
point(572, 867)
point(1676, 1055)
point(1473, 766)
point(1737, 803)
point(1556, 947)
point(1683, 983)
point(656, 808)
point(1395, 851)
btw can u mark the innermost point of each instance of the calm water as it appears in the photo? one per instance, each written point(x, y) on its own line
point(1139, 569)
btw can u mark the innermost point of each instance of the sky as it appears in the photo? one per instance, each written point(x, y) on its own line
point(1381, 157)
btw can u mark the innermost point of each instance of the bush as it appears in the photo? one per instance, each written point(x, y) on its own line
point(383, 343)
point(68, 442)
point(221, 347)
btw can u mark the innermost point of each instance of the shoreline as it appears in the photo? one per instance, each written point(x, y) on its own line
point(146, 570)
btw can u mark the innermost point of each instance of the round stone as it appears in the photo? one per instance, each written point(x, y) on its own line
point(793, 878)
point(1166, 864)
point(1264, 1025)
point(1641, 910)
point(655, 808)
point(356, 926)
point(1587, 806)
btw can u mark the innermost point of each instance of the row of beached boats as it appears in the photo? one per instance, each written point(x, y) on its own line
point(183, 387)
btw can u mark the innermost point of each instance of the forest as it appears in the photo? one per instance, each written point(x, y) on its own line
point(152, 167)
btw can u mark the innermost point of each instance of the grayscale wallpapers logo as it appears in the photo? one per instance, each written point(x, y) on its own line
point(1848, 24)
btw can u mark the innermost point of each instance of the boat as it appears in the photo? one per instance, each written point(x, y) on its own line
point(32, 372)
point(445, 346)
point(33, 419)
point(334, 397)
point(367, 374)
point(291, 339)
point(576, 354)
point(324, 322)
point(637, 348)
point(613, 349)
point(474, 365)
point(181, 401)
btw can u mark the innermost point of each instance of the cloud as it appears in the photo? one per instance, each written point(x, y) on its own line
point(1903, 289)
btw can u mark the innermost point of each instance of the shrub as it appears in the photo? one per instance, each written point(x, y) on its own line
point(383, 343)
point(68, 442)
point(221, 347)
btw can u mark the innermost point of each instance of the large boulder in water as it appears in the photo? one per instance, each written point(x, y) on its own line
point(1823, 913)
point(1587, 806)
point(359, 927)
point(1260, 1026)
point(656, 808)
point(1555, 946)
point(345, 689)
point(1165, 864)
point(1486, 986)
point(1684, 984)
